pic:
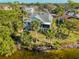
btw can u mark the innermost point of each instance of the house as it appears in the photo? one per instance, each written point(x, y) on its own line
point(45, 18)
point(77, 15)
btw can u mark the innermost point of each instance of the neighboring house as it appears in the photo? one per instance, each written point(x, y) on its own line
point(45, 18)
point(29, 10)
point(72, 14)
point(5, 7)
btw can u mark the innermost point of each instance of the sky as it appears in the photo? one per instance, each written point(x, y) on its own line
point(35, 1)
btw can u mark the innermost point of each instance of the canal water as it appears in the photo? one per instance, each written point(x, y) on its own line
point(56, 54)
point(27, 55)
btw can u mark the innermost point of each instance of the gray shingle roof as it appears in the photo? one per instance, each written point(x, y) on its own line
point(44, 17)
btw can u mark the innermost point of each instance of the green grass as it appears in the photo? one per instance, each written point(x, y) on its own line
point(42, 38)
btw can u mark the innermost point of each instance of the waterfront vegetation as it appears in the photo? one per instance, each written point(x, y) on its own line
point(62, 35)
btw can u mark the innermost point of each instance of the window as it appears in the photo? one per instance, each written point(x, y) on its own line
point(45, 26)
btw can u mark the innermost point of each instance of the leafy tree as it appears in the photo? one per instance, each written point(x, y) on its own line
point(35, 26)
point(59, 10)
point(50, 33)
point(62, 32)
point(26, 39)
point(10, 22)
point(7, 46)
point(69, 25)
point(72, 4)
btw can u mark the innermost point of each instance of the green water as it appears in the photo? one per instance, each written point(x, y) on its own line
point(26, 55)
point(56, 54)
